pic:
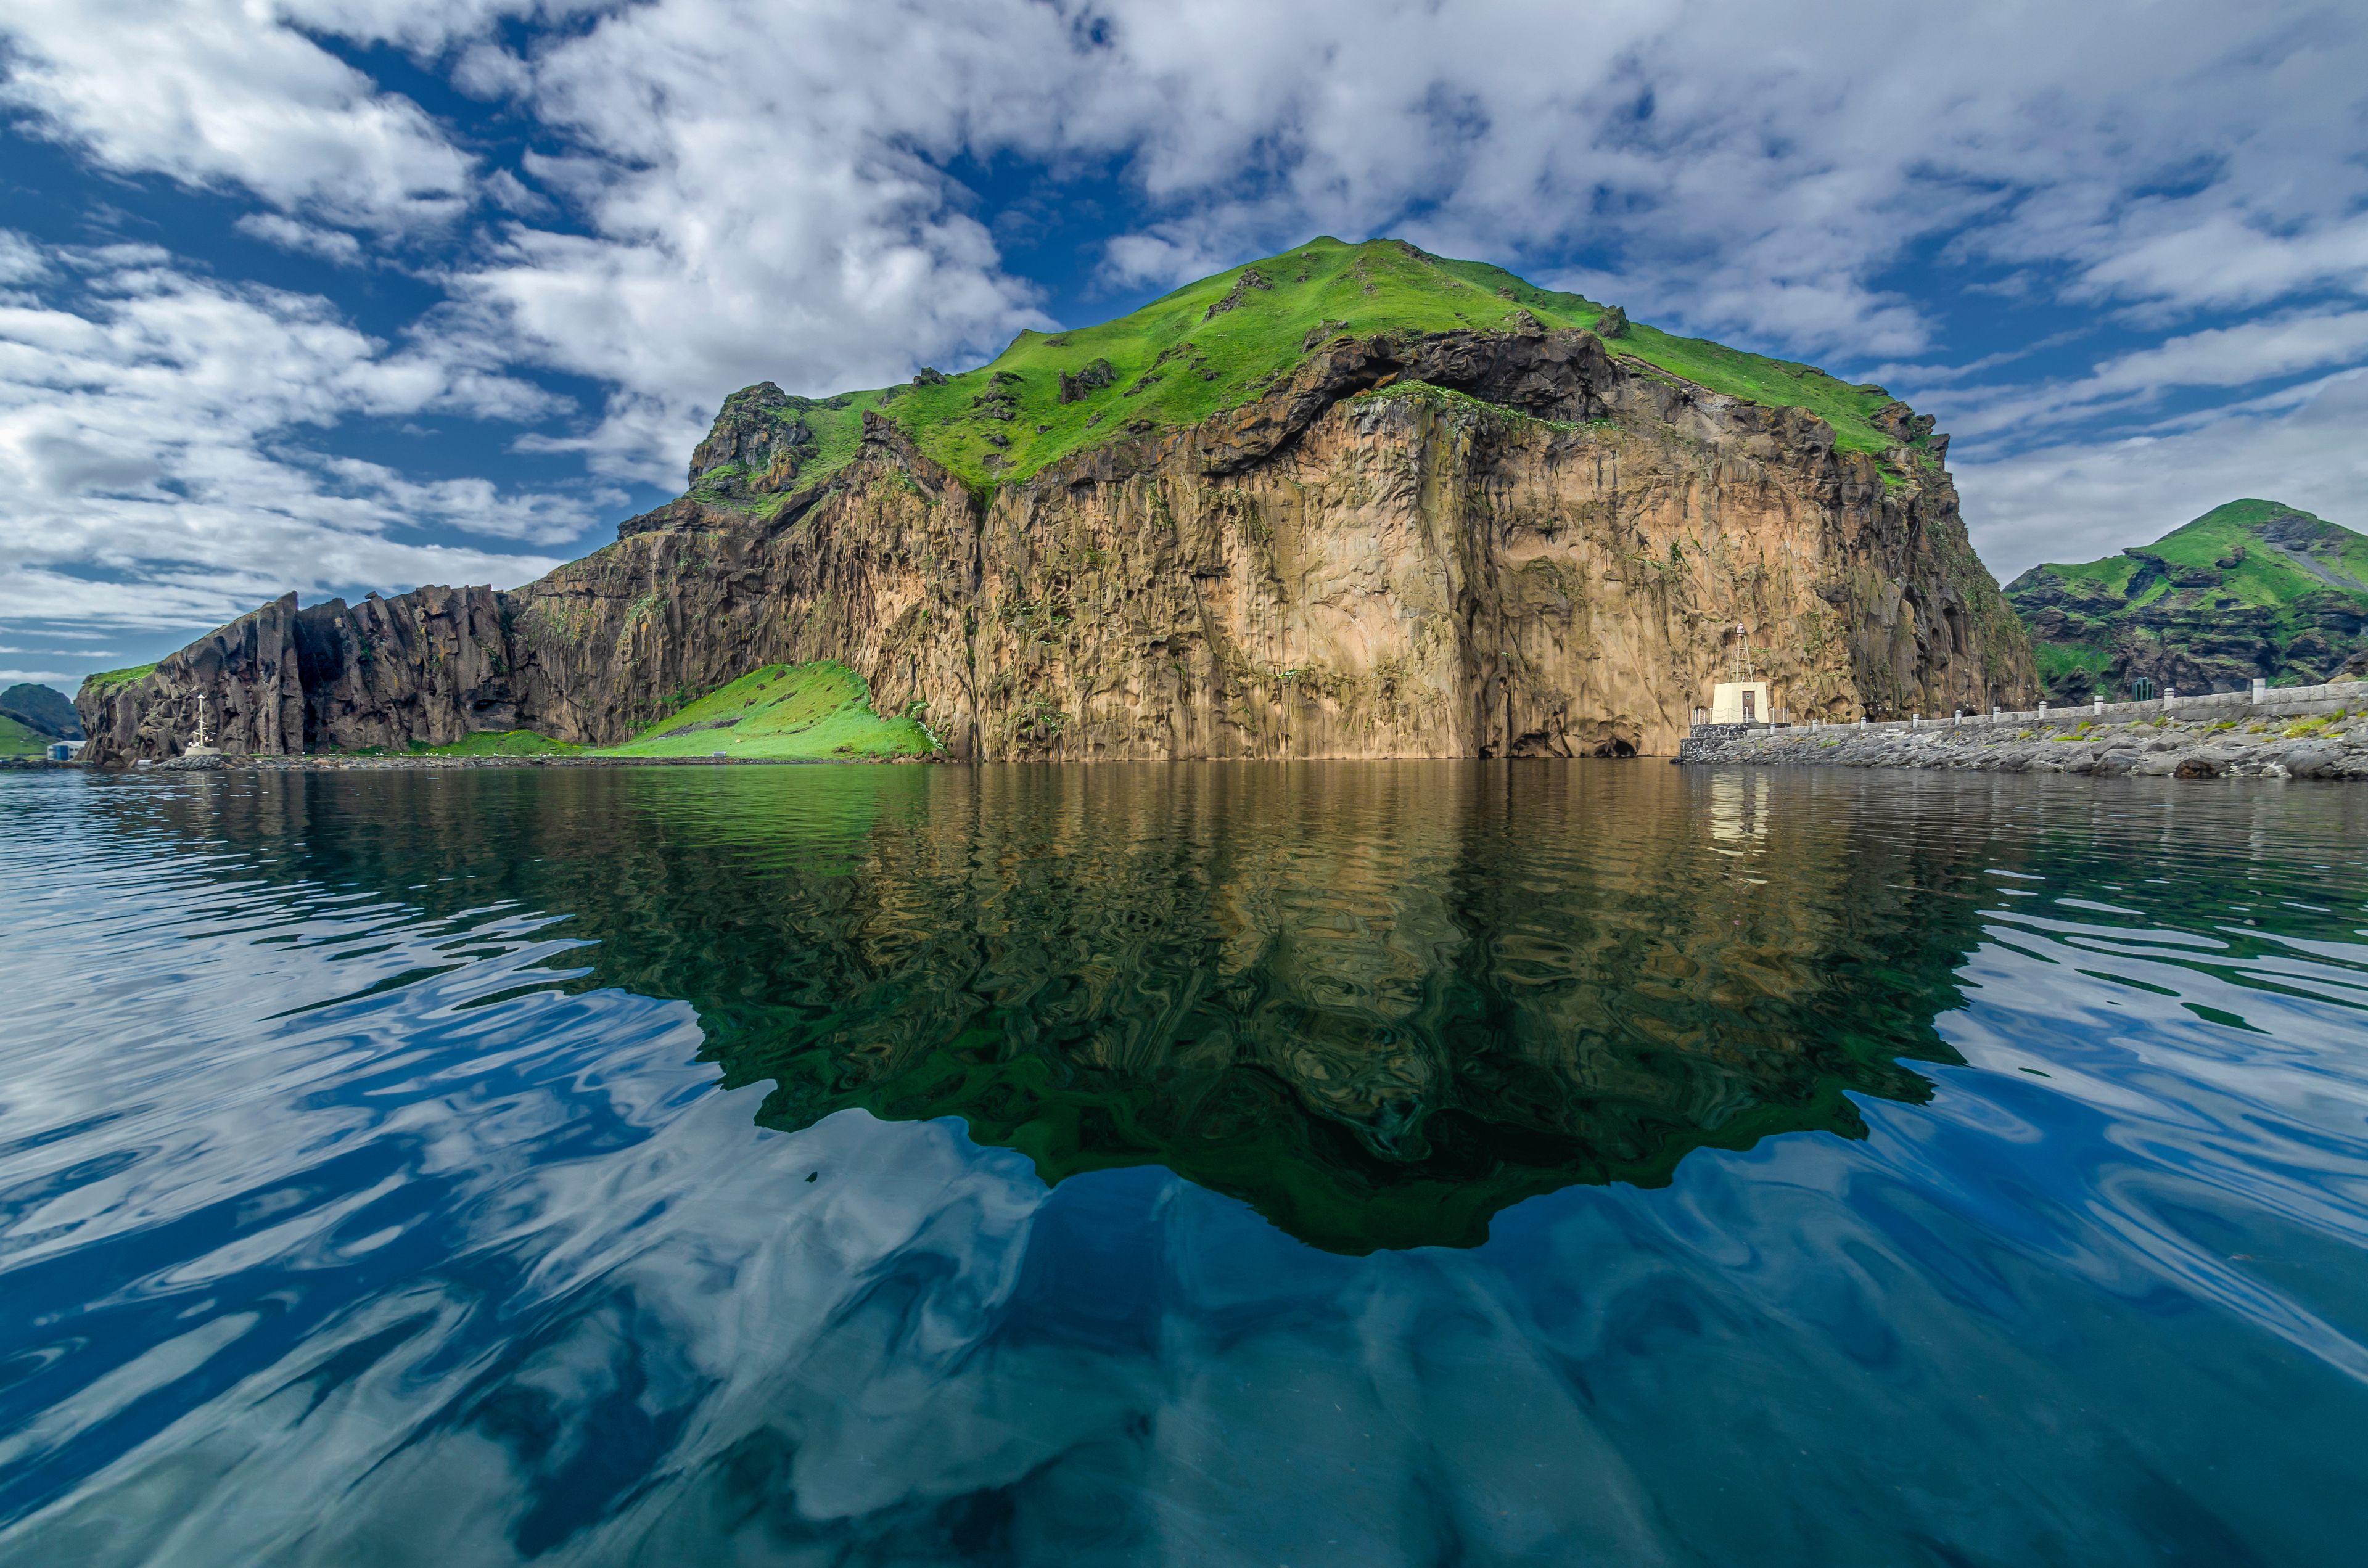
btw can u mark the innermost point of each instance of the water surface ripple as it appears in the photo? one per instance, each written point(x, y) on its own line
point(1389, 1164)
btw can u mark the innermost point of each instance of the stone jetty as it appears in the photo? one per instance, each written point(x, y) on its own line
point(2314, 732)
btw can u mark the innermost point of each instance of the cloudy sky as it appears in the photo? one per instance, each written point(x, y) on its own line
point(332, 294)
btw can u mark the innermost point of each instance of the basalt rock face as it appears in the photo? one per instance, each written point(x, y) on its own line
point(1460, 544)
point(430, 666)
point(246, 674)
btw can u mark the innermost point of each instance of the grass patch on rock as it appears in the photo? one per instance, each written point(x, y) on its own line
point(818, 712)
point(107, 680)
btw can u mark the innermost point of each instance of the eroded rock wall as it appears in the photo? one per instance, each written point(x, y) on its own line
point(241, 679)
point(1465, 545)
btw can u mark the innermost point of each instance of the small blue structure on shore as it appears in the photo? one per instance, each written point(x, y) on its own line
point(64, 750)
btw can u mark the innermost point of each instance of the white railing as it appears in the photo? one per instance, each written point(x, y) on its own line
point(2261, 697)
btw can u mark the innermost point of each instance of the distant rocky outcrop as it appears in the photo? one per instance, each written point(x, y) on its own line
point(2250, 590)
point(44, 710)
point(755, 446)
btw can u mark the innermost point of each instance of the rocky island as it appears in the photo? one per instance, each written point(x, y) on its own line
point(1354, 500)
point(2253, 590)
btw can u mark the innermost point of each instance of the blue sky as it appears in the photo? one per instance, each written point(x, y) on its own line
point(339, 294)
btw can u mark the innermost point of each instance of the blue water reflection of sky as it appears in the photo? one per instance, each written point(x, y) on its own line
point(395, 1253)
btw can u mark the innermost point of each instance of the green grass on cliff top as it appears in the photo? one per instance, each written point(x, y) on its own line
point(1177, 365)
point(21, 739)
point(817, 712)
point(107, 680)
point(2266, 577)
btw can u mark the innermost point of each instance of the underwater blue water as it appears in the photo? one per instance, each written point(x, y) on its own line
point(1376, 1163)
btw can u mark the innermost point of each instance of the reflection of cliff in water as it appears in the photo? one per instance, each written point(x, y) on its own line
point(1379, 1002)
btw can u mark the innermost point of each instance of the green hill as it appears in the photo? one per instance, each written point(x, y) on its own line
point(42, 707)
point(1209, 347)
point(2254, 589)
point(21, 739)
point(786, 548)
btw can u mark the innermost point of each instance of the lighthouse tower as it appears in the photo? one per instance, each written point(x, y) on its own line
point(1740, 699)
point(204, 743)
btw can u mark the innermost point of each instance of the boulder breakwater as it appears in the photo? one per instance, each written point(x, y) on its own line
point(2312, 732)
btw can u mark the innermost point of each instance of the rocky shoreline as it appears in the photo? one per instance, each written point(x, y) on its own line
point(2312, 734)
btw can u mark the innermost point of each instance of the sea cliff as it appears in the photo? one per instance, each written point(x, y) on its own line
point(1517, 540)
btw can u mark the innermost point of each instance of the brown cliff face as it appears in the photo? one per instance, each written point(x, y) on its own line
point(1464, 544)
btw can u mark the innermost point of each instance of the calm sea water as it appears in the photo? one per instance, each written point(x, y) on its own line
point(1389, 1164)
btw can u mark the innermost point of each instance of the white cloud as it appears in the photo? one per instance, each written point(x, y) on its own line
point(1755, 168)
point(20, 260)
point(2079, 500)
point(2234, 356)
point(214, 92)
point(150, 473)
point(329, 244)
point(761, 205)
point(757, 207)
point(727, 190)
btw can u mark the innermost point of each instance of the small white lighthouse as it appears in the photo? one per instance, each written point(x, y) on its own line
point(1740, 699)
point(204, 744)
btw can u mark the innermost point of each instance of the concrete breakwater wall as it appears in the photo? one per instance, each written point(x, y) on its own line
point(2313, 731)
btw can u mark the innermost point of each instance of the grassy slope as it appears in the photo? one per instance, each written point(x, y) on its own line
point(816, 713)
point(20, 740)
point(2060, 662)
point(1176, 365)
point(2264, 577)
